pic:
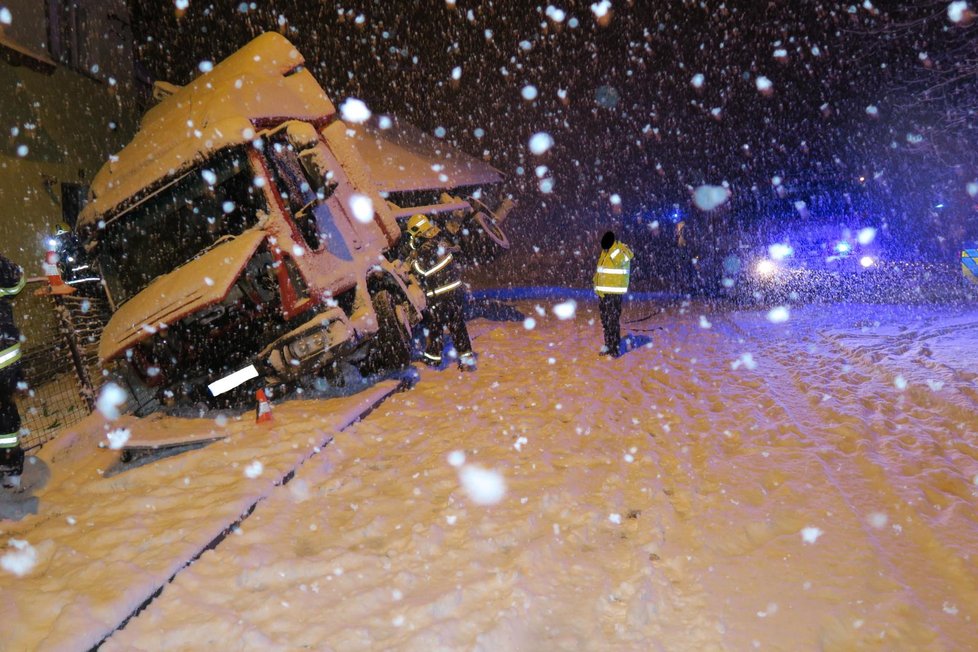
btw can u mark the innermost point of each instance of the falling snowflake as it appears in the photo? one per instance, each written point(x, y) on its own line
point(456, 458)
point(540, 142)
point(555, 14)
point(565, 310)
point(110, 399)
point(362, 208)
point(118, 438)
point(601, 9)
point(254, 469)
point(21, 559)
point(746, 360)
point(355, 111)
point(778, 315)
point(483, 487)
point(707, 197)
point(957, 10)
point(866, 236)
point(810, 534)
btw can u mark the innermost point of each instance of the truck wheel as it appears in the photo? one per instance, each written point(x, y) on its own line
point(392, 348)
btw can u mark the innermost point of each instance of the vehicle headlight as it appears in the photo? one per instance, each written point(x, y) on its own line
point(867, 261)
point(765, 268)
point(307, 345)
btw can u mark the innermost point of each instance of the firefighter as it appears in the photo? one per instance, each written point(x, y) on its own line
point(12, 281)
point(73, 262)
point(610, 284)
point(434, 262)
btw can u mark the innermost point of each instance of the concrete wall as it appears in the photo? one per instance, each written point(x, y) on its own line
point(64, 109)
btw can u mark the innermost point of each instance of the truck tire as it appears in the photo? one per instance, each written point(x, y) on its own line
point(391, 349)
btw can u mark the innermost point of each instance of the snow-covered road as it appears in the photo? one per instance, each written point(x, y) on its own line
point(730, 484)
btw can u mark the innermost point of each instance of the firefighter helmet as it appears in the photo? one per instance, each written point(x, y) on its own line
point(62, 228)
point(420, 225)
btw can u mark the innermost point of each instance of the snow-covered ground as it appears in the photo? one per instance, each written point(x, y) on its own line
point(730, 483)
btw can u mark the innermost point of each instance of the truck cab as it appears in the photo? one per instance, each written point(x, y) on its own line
point(239, 237)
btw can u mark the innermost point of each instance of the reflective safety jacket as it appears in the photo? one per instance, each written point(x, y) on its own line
point(436, 267)
point(614, 268)
point(12, 281)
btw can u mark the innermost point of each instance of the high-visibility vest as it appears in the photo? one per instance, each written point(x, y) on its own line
point(614, 269)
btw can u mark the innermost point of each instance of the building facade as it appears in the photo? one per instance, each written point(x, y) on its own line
point(67, 102)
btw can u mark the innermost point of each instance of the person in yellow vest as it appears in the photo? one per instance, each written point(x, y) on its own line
point(12, 281)
point(611, 284)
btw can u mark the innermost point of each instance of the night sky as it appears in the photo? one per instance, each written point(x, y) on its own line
point(618, 93)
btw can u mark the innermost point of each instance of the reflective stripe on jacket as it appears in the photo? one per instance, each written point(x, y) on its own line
point(15, 289)
point(10, 440)
point(614, 270)
point(435, 266)
point(9, 355)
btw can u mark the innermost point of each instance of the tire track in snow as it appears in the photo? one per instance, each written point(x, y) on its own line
point(485, 579)
point(374, 397)
point(860, 470)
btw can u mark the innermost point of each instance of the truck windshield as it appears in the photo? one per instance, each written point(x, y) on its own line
point(177, 223)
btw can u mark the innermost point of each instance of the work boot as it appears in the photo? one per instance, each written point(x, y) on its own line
point(467, 362)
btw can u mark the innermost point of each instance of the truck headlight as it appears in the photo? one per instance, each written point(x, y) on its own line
point(306, 346)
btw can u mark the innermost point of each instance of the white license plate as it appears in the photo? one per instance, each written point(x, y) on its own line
point(231, 381)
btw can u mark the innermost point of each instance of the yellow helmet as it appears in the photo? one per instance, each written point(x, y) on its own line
point(62, 228)
point(420, 225)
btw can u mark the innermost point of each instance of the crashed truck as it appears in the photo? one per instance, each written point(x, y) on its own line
point(248, 237)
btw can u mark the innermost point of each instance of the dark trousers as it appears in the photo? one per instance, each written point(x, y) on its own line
point(446, 312)
point(610, 306)
point(11, 459)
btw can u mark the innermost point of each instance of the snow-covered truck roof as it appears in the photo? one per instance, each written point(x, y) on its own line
point(402, 158)
point(260, 85)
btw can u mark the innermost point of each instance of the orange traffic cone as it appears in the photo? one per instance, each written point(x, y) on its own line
point(50, 265)
point(264, 413)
